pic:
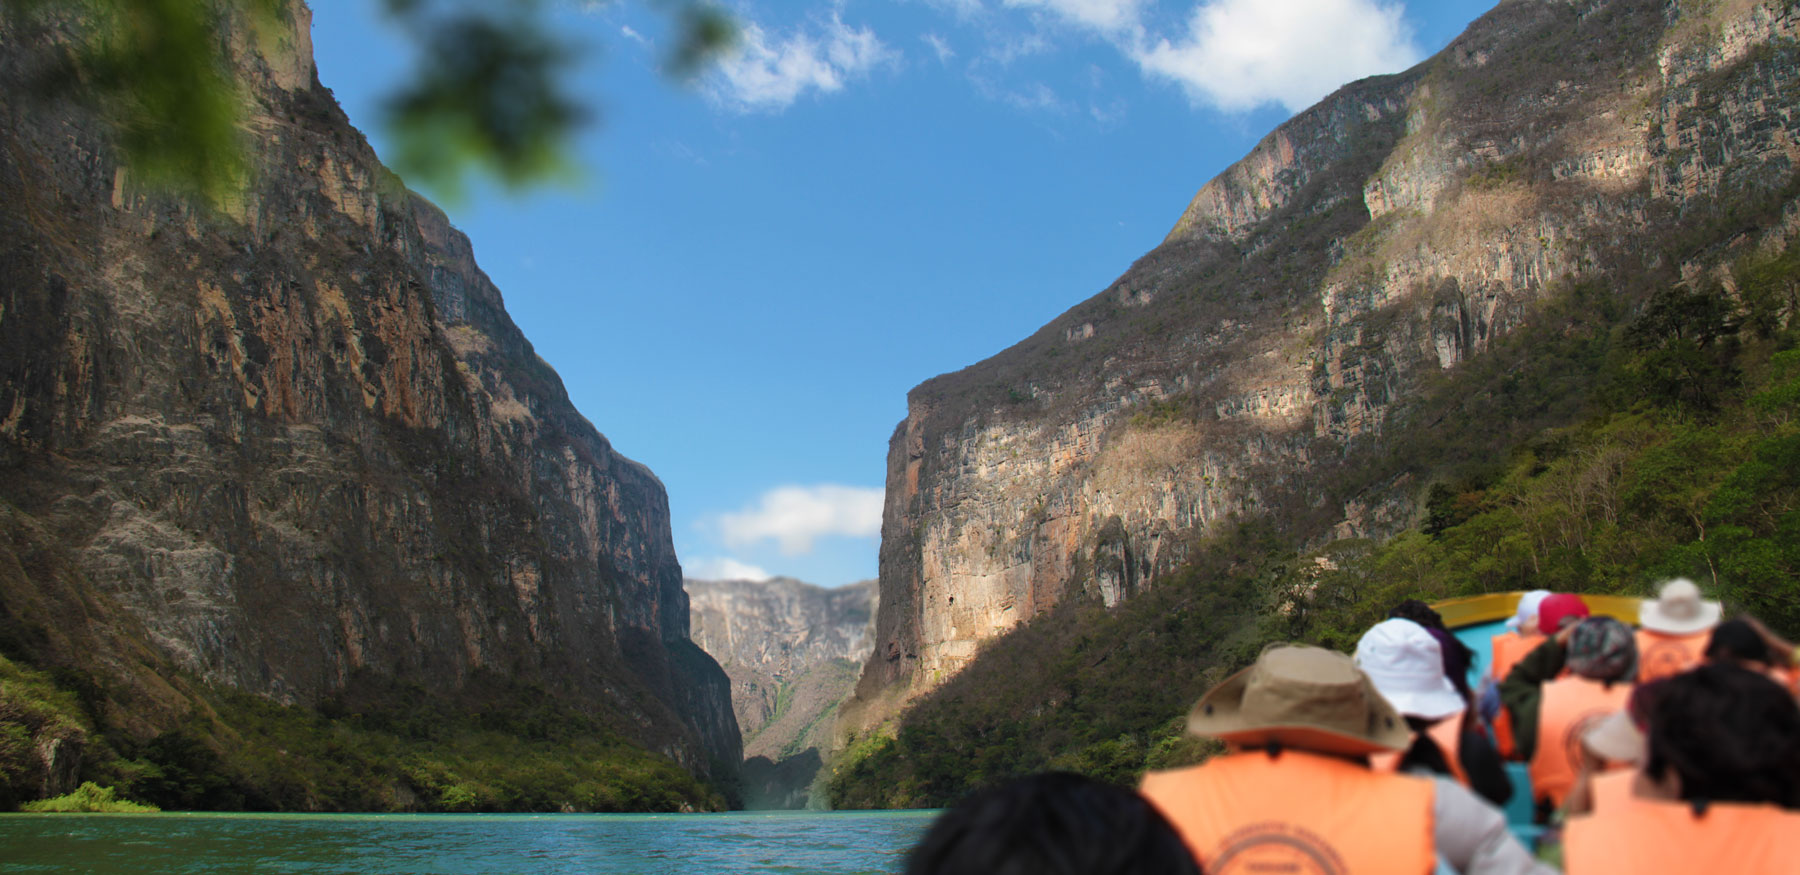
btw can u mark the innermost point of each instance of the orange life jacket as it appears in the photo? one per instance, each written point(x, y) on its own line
point(1509, 648)
point(1660, 655)
point(1298, 812)
point(1654, 837)
point(1448, 735)
point(1611, 789)
point(1570, 707)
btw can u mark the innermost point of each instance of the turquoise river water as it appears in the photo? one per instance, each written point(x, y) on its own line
point(826, 843)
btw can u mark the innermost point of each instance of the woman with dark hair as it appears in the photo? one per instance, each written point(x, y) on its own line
point(1720, 783)
point(1052, 824)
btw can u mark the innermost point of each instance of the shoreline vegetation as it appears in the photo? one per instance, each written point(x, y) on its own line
point(397, 750)
point(89, 798)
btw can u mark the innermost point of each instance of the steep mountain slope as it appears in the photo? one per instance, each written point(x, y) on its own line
point(793, 652)
point(1262, 362)
point(296, 447)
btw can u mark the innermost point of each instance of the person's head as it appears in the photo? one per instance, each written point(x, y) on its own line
point(1525, 618)
point(1560, 610)
point(1051, 824)
point(1457, 655)
point(1418, 612)
point(1303, 698)
point(1737, 641)
point(1405, 662)
point(1603, 649)
point(1723, 733)
point(1678, 609)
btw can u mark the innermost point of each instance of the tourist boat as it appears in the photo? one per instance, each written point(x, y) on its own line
point(1475, 621)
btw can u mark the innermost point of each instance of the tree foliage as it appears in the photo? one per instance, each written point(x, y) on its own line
point(488, 94)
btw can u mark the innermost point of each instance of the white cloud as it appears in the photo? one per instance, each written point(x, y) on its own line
point(722, 568)
point(964, 10)
point(769, 71)
point(939, 45)
point(634, 36)
point(1240, 54)
point(795, 516)
point(1033, 96)
point(1106, 16)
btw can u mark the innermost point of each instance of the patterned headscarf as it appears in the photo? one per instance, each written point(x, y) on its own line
point(1603, 649)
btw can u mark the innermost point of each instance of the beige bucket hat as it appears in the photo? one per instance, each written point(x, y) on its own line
point(1679, 610)
point(1306, 698)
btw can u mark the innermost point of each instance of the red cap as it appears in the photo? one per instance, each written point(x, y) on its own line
point(1562, 609)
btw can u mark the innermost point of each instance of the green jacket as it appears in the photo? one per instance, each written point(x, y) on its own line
point(1523, 691)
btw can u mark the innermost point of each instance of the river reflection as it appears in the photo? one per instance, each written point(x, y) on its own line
point(791, 842)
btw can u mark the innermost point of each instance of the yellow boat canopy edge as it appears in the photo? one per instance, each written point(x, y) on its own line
point(1496, 607)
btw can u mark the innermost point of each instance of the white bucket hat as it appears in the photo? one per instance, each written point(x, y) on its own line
point(1679, 610)
point(1528, 608)
point(1407, 666)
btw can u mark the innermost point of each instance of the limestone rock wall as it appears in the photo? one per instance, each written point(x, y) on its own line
point(1393, 230)
point(767, 634)
point(297, 440)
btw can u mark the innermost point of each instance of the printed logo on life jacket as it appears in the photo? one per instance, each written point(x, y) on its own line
point(1572, 736)
point(1276, 847)
point(1663, 659)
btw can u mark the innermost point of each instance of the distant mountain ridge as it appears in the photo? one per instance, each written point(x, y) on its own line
point(793, 651)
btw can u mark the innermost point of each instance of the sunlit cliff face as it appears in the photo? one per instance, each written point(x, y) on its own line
point(1391, 232)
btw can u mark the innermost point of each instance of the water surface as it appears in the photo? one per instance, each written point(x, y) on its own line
point(806, 843)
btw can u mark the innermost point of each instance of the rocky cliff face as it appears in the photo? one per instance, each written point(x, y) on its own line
point(792, 651)
point(297, 444)
point(1389, 233)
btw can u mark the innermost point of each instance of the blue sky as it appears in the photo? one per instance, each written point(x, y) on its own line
point(758, 265)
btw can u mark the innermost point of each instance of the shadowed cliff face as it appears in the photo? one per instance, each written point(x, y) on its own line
point(1242, 367)
point(298, 442)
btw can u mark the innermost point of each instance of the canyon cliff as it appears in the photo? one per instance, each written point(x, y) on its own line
point(792, 651)
point(294, 446)
point(1253, 364)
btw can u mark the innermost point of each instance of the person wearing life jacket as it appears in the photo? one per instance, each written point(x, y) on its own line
point(1055, 823)
point(1403, 660)
point(1294, 791)
point(1673, 629)
point(1602, 659)
point(1504, 651)
point(1521, 636)
point(1748, 643)
point(1612, 751)
point(1515, 726)
point(1719, 787)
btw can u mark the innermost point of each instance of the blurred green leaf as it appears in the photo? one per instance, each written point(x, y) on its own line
point(487, 94)
point(705, 32)
point(487, 97)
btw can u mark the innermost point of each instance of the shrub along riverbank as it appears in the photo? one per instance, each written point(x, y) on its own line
point(1618, 438)
point(395, 750)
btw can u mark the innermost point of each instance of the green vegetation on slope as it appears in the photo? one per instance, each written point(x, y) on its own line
point(89, 798)
point(401, 751)
point(1622, 436)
